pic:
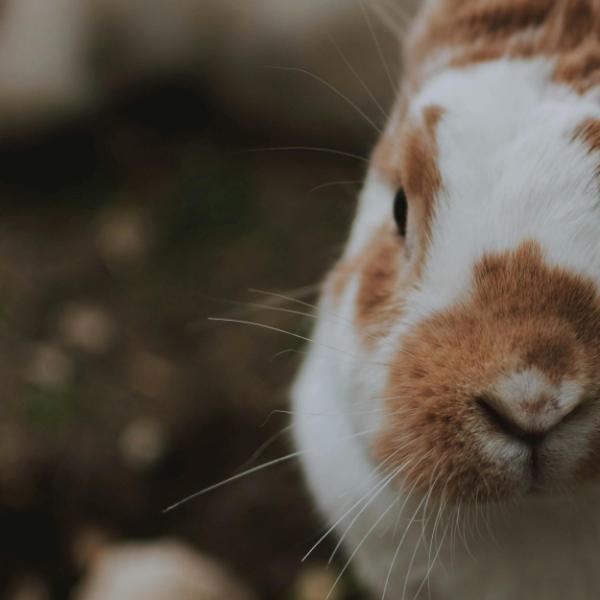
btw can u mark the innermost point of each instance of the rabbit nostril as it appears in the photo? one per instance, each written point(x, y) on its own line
point(503, 423)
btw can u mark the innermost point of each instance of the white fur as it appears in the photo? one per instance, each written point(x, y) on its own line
point(505, 144)
point(519, 390)
point(511, 172)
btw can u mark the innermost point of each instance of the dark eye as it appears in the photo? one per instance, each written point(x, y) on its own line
point(401, 211)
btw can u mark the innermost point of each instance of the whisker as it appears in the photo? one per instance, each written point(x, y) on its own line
point(322, 186)
point(231, 479)
point(332, 316)
point(403, 18)
point(258, 452)
point(430, 561)
point(410, 566)
point(331, 414)
point(358, 547)
point(335, 90)
point(412, 489)
point(251, 471)
point(281, 353)
point(417, 545)
point(359, 78)
point(279, 309)
point(400, 543)
point(379, 486)
point(292, 334)
point(283, 297)
point(401, 512)
point(425, 580)
point(333, 151)
point(430, 492)
point(378, 46)
point(387, 480)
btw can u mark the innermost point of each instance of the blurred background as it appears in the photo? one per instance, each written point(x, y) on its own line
point(154, 170)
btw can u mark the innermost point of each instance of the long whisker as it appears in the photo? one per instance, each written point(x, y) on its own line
point(404, 504)
point(379, 486)
point(258, 452)
point(333, 151)
point(330, 315)
point(283, 297)
point(279, 309)
point(251, 471)
point(359, 78)
point(410, 566)
point(431, 562)
point(315, 307)
point(331, 87)
point(358, 547)
point(378, 46)
point(332, 414)
point(387, 480)
point(231, 479)
point(292, 334)
point(400, 543)
point(322, 186)
point(393, 8)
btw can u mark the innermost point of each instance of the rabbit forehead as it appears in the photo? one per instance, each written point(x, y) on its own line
point(517, 156)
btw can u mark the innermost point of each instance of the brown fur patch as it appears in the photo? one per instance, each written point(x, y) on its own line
point(386, 158)
point(589, 133)
point(522, 313)
point(580, 68)
point(378, 304)
point(421, 176)
point(409, 161)
point(419, 153)
point(478, 31)
point(340, 276)
point(378, 266)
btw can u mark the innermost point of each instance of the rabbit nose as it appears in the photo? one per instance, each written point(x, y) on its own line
point(527, 406)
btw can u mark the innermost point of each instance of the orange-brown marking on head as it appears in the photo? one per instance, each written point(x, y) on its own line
point(386, 158)
point(580, 68)
point(498, 18)
point(522, 314)
point(588, 132)
point(474, 28)
point(415, 168)
point(339, 277)
point(472, 32)
point(421, 176)
point(419, 153)
point(379, 300)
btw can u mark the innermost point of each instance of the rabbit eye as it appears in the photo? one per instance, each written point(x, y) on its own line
point(401, 211)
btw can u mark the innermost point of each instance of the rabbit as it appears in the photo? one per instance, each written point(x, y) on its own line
point(447, 413)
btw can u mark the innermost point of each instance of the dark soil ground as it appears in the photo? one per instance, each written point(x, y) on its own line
point(120, 234)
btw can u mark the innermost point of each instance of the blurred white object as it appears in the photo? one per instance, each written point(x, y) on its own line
point(142, 443)
point(88, 328)
point(158, 571)
point(42, 69)
point(316, 583)
point(123, 238)
point(49, 368)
